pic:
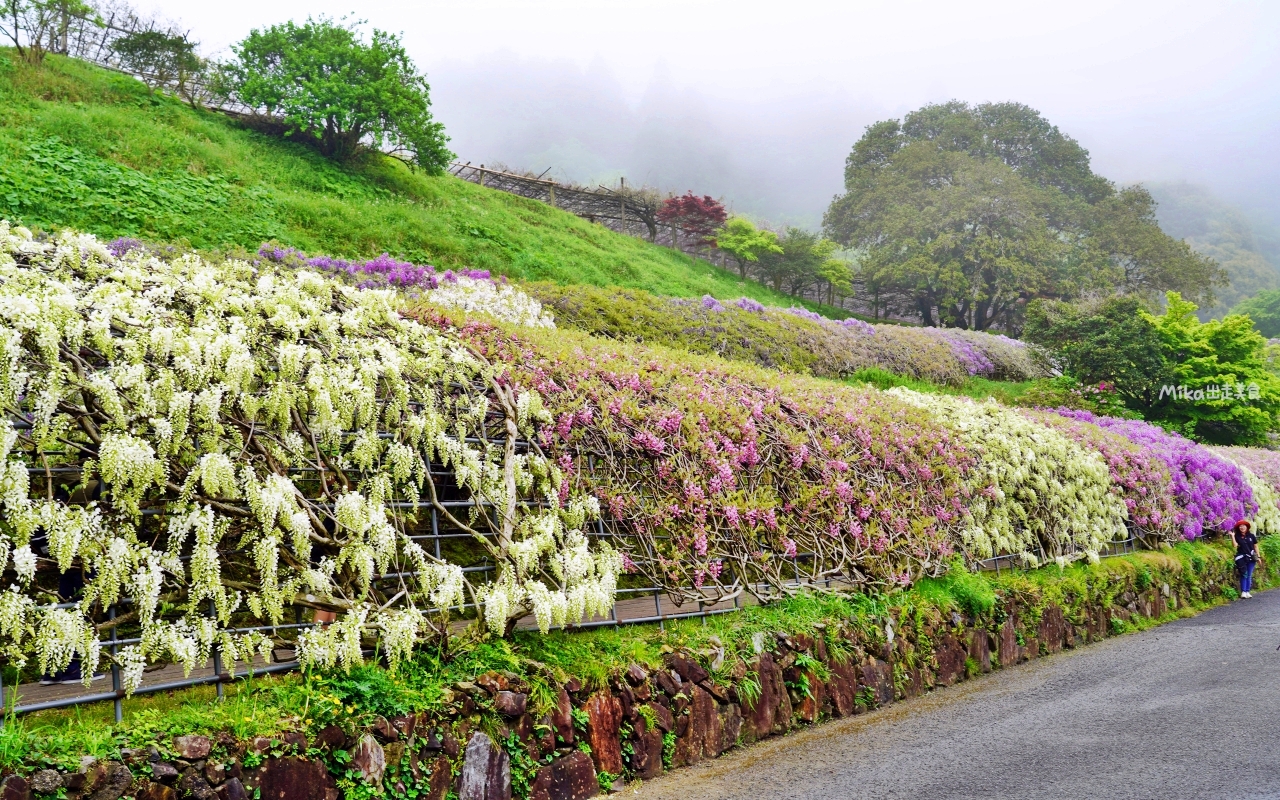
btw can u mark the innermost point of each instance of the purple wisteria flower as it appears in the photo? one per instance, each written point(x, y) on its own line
point(1212, 490)
point(711, 304)
point(804, 313)
point(747, 304)
point(974, 361)
point(119, 247)
point(857, 325)
point(382, 270)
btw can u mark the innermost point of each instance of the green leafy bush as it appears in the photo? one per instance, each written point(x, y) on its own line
point(322, 83)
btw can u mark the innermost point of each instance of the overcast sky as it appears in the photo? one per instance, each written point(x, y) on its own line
point(760, 102)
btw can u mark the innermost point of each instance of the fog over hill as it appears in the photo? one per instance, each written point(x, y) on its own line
point(1247, 247)
point(760, 103)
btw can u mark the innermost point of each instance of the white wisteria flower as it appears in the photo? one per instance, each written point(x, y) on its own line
point(249, 436)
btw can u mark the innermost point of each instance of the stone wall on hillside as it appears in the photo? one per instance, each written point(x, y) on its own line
point(491, 745)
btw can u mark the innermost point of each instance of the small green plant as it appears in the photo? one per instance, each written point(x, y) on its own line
point(606, 780)
point(865, 698)
point(972, 591)
point(580, 719)
point(749, 690)
point(524, 769)
point(649, 716)
point(1143, 579)
point(625, 732)
point(668, 748)
point(1119, 625)
point(972, 667)
point(813, 666)
point(1269, 546)
point(801, 685)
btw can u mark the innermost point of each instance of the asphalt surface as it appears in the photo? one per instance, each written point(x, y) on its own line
point(1190, 709)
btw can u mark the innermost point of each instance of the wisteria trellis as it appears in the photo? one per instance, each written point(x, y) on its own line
point(277, 427)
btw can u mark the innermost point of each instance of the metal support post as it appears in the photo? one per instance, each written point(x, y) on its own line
point(115, 667)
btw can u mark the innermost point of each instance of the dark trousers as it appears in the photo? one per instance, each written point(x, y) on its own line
point(70, 584)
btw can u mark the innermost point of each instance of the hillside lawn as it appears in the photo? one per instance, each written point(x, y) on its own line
point(87, 148)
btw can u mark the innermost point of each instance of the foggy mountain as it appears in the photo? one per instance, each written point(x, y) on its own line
point(1249, 249)
point(760, 104)
point(779, 161)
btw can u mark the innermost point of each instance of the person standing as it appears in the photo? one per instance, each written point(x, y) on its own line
point(1246, 554)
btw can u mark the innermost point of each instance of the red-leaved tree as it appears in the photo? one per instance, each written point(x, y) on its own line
point(697, 217)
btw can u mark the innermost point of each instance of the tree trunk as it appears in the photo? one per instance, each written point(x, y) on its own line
point(925, 307)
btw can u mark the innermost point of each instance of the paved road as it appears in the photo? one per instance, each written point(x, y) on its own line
point(1186, 710)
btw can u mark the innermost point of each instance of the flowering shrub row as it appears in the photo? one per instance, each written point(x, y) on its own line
point(1212, 490)
point(1261, 469)
point(725, 480)
point(1044, 495)
point(473, 291)
point(1138, 476)
point(793, 339)
point(237, 439)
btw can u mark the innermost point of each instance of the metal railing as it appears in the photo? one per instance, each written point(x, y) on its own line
point(1015, 561)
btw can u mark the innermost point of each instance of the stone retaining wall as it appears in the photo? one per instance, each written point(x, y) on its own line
point(643, 723)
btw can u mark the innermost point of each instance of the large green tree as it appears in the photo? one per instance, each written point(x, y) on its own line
point(1264, 309)
point(746, 243)
point(1207, 380)
point(1148, 261)
point(323, 83)
point(797, 265)
point(962, 214)
point(1211, 363)
point(1103, 342)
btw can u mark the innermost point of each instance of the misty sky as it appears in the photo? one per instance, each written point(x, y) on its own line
point(760, 103)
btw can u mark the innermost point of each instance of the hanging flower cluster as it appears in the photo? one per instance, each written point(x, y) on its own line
point(472, 291)
point(1139, 477)
point(721, 482)
point(1261, 470)
point(1264, 463)
point(1045, 495)
point(211, 444)
point(1212, 490)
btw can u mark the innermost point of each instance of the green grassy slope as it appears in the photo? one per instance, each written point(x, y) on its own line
point(87, 148)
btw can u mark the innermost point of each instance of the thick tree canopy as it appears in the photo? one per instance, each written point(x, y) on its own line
point(742, 240)
point(1208, 381)
point(1264, 309)
point(323, 83)
point(962, 214)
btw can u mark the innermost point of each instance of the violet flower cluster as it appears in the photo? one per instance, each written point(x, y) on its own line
point(124, 244)
point(1212, 490)
point(382, 270)
point(974, 361)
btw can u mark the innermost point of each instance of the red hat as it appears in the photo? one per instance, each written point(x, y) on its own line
point(1243, 522)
